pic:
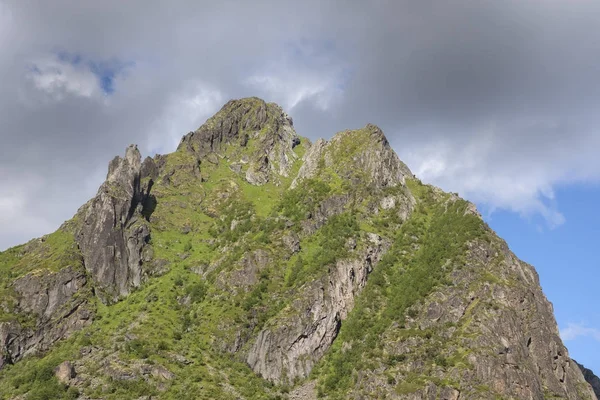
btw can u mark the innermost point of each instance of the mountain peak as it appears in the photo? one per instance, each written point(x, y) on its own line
point(358, 281)
point(370, 131)
point(361, 155)
point(249, 131)
point(131, 161)
point(236, 122)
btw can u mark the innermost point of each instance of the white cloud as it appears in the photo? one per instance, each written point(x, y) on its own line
point(305, 71)
point(574, 331)
point(9, 205)
point(58, 78)
point(185, 110)
point(482, 169)
point(15, 200)
point(293, 87)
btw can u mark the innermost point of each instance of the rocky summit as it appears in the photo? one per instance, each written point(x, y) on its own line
point(253, 264)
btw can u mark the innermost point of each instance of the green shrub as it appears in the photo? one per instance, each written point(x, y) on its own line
point(297, 202)
point(423, 252)
point(323, 249)
point(196, 291)
point(138, 348)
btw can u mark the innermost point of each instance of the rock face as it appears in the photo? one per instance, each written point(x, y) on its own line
point(267, 267)
point(290, 347)
point(264, 133)
point(65, 372)
point(515, 347)
point(44, 295)
point(56, 305)
point(112, 233)
point(363, 156)
point(115, 231)
point(590, 378)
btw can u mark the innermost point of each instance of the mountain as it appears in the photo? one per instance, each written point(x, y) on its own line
point(252, 264)
point(592, 379)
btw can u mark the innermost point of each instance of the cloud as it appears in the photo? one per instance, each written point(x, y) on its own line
point(14, 195)
point(469, 169)
point(494, 100)
point(5, 23)
point(305, 71)
point(58, 75)
point(186, 111)
point(58, 79)
point(574, 331)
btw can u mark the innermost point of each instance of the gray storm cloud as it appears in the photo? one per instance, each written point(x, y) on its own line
point(494, 100)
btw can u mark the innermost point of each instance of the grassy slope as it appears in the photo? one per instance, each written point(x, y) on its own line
point(39, 256)
point(425, 249)
point(151, 325)
point(184, 319)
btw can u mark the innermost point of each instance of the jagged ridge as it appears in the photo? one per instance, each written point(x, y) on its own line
point(249, 256)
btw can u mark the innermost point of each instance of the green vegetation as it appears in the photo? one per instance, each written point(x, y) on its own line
point(222, 271)
point(47, 254)
point(298, 202)
point(195, 317)
point(52, 252)
point(351, 143)
point(35, 376)
point(323, 249)
point(425, 249)
point(182, 315)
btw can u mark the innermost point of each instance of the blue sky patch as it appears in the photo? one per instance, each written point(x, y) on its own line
point(566, 260)
point(105, 70)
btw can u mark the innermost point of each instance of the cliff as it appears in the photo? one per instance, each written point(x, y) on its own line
point(251, 263)
point(590, 377)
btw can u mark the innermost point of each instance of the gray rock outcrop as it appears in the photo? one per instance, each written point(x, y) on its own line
point(64, 372)
point(364, 156)
point(590, 378)
point(260, 136)
point(55, 305)
point(115, 232)
point(291, 345)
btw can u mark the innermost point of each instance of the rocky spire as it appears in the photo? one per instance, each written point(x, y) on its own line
point(114, 231)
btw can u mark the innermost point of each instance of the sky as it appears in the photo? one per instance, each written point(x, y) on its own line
point(496, 101)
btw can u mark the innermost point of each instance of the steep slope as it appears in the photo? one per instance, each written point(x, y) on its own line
point(590, 377)
point(450, 312)
point(251, 264)
point(113, 228)
point(44, 294)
